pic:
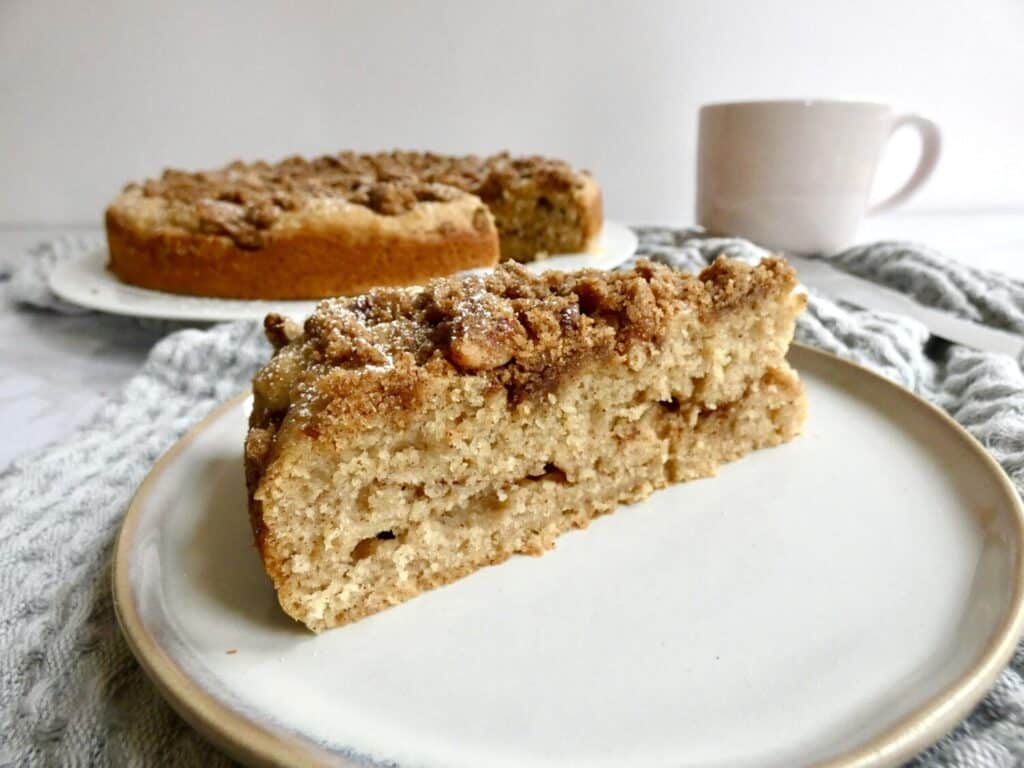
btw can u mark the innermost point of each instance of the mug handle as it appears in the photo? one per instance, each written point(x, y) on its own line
point(931, 146)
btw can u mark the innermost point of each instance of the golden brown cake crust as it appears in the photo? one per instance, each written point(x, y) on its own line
point(296, 264)
point(339, 224)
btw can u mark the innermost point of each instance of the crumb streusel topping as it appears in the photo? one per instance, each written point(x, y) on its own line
point(243, 200)
point(523, 330)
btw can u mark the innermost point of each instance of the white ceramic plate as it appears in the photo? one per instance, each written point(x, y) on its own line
point(844, 599)
point(87, 282)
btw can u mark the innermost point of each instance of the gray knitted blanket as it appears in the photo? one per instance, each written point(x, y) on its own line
point(71, 692)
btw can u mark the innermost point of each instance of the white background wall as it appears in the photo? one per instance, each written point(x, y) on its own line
point(93, 94)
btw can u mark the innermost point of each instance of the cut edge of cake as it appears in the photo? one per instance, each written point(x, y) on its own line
point(403, 439)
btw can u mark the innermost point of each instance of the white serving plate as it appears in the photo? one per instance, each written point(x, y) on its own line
point(841, 600)
point(86, 281)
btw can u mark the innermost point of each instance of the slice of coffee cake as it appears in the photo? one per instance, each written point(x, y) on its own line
point(405, 438)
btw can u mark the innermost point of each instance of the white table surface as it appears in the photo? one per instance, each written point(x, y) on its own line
point(54, 376)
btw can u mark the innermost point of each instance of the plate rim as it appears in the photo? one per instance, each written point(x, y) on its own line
point(265, 744)
point(211, 314)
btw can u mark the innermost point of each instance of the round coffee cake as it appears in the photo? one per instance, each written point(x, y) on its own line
point(341, 224)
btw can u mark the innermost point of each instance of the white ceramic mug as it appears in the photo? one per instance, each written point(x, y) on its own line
point(796, 175)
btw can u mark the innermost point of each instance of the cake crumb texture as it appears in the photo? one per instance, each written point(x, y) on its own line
point(402, 439)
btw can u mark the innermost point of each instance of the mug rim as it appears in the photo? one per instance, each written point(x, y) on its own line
point(813, 102)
